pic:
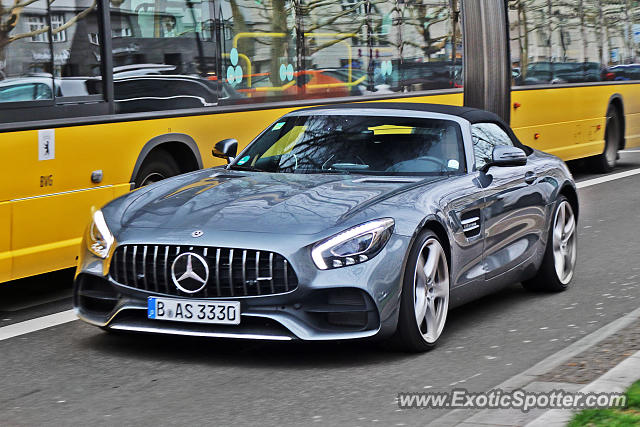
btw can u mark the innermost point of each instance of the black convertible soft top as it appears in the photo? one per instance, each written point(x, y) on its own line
point(473, 115)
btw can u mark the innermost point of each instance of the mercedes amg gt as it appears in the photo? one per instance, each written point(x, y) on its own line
point(337, 222)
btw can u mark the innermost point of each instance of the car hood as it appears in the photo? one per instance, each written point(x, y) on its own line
point(260, 202)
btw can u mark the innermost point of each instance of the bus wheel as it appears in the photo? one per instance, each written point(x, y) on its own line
point(606, 161)
point(156, 167)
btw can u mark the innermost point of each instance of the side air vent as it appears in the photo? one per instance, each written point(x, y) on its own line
point(470, 222)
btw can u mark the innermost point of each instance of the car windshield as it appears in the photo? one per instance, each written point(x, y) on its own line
point(357, 144)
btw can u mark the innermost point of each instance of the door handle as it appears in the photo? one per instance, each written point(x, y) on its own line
point(530, 177)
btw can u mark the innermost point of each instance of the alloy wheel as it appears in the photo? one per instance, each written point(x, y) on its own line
point(431, 290)
point(564, 242)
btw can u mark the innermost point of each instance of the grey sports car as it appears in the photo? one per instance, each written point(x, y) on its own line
point(338, 222)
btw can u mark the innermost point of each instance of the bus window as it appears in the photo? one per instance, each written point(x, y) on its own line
point(259, 50)
point(76, 46)
point(619, 27)
point(530, 33)
point(349, 48)
point(163, 55)
point(25, 57)
point(337, 56)
point(555, 42)
point(435, 62)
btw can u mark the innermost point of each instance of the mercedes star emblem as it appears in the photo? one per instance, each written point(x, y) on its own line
point(189, 272)
point(197, 233)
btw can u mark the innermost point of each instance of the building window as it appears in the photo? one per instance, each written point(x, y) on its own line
point(37, 25)
point(123, 31)
point(56, 22)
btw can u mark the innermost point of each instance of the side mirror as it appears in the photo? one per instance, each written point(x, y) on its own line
point(225, 149)
point(506, 155)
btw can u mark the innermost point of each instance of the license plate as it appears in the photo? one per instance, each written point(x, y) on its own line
point(198, 311)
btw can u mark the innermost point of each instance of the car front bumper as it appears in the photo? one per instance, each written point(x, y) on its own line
point(352, 302)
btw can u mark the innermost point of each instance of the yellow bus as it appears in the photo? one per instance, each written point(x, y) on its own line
point(99, 97)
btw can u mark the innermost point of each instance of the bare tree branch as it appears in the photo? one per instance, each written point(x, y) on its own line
point(4, 42)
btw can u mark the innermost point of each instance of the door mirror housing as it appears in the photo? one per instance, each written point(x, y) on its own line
point(506, 155)
point(226, 149)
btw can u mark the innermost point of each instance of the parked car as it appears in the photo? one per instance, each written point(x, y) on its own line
point(545, 72)
point(622, 72)
point(28, 88)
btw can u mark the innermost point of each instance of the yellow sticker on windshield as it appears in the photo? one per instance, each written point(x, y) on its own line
point(392, 130)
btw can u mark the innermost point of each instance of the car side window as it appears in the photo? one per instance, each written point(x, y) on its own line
point(486, 136)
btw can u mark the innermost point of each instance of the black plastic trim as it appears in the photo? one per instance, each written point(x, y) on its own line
point(107, 54)
point(487, 63)
point(6, 106)
point(87, 99)
point(40, 121)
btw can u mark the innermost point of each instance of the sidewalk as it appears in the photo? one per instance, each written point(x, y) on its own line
point(617, 379)
point(605, 360)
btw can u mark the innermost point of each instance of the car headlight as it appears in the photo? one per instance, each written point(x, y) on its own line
point(353, 246)
point(99, 239)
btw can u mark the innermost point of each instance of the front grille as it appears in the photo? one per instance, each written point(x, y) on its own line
point(232, 272)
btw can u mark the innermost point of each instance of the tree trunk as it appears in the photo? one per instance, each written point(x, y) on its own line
point(278, 44)
point(583, 33)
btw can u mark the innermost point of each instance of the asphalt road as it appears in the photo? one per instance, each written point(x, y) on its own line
point(75, 374)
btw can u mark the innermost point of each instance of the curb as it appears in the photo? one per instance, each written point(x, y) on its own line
point(616, 380)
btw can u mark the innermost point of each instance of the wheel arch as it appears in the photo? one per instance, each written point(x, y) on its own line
point(441, 232)
point(568, 191)
point(180, 146)
point(618, 103)
point(435, 224)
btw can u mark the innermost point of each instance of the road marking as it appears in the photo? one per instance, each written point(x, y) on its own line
point(37, 324)
point(607, 178)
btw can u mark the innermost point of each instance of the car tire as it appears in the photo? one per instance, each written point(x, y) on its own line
point(157, 166)
point(559, 261)
point(426, 293)
point(606, 161)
